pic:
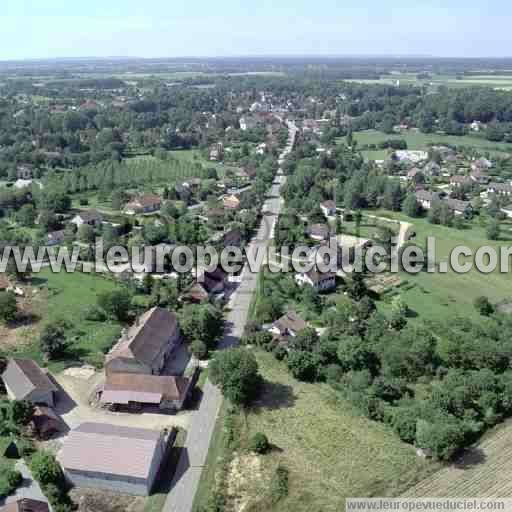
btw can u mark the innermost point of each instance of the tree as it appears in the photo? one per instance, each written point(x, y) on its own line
point(202, 322)
point(52, 339)
point(442, 437)
point(27, 215)
point(199, 349)
point(235, 371)
point(483, 306)
point(305, 340)
point(356, 287)
point(493, 230)
point(116, 303)
point(86, 234)
point(46, 469)
point(411, 207)
point(21, 412)
point(399, 310)
point(303, 365)
point(8, 307)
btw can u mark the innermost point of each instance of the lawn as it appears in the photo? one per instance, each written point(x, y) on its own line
point(331, 452)
point(436, 296)
point(67, 296)
point(417, 140)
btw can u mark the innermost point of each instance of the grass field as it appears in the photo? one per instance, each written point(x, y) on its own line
point(437, 296)
point(67, 296)
point(418, 140)
point(330, 452)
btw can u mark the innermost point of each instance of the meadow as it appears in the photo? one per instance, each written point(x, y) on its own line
point(331, 452)
point(67, 296)
point(441, 296)
point(417, 140)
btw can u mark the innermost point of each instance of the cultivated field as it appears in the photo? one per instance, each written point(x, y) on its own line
point(483, 471)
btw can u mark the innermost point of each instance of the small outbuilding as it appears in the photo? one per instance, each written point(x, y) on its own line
point(25, 380)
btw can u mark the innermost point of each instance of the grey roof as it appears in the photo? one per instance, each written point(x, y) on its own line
point(110, 450)
point(25, 505)
point(291, 321)
point(22, 376)
point(145, 339)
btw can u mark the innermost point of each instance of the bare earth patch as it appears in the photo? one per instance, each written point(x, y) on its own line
point(95, 500)
point(244, 481)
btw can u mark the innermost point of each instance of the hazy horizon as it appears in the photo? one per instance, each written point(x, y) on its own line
point(157, 29)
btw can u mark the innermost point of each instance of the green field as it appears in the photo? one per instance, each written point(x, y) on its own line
point(331, 453)
point(67, 296)
point(436, 296)
point(417, 141)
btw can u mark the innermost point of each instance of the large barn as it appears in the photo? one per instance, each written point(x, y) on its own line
point(25, 380)
point(119, 459)
point(146, 346)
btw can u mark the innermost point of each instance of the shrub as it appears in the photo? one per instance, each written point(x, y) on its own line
point(95, 314)
point(259, 443)
point(26, 447)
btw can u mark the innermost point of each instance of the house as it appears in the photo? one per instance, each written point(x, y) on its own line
point(147, 203)
point(482, 164)
point(425, 198)
point(217, 152)
point(168, 393)
point(247, 123)
point(120, 459)
point(45, 423)
point(231, 202)
point(479, 176)
point(207, 286)
point(25, 505)
point(328, 207)
point(319, 232)
point(89, 217)
point(415, 174)
point(21, 183)
point(55, 238)
point(460, 181)
point(500, 189)
point(476, 126)
point(147, 345)
point(289, 324)
point(459, 207)
point(432, 169)
point(507, 210)
point(232, 238)
point(320, 281)
point(415, 157)
point(25, 171)
point(25, 380)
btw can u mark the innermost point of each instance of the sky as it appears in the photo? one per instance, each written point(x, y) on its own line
point(209, 28)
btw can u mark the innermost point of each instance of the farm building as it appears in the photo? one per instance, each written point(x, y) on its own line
point(25, 505)
point(146, 346)
point(146, 203)
point(25, 380)
point(45, 422)
point(135, 391)
point(120, 459)
point(289, 324)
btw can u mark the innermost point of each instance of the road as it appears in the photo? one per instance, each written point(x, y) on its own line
point(193, 458)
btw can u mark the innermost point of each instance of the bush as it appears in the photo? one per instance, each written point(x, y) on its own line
point(94, 313)
point(483, 306)
point(26, 447)
point(259, 443)
point(46, 469)
point(10, 480)
point(14, 478)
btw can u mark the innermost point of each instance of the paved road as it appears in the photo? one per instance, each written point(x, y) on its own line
point(188, 472)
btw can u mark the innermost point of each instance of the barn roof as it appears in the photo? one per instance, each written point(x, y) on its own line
point(110, 450)
point(22, 376)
